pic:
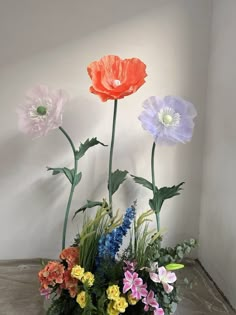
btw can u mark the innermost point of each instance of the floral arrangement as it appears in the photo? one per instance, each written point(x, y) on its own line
point(100, 273)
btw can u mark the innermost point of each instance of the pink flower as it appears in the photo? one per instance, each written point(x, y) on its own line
point(130, 265)
point(158, 311)
point(150, 301)
point(45, 292)
point(42, 111)
point(165, 277)
point(135, 284)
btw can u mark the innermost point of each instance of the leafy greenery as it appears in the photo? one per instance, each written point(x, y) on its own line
point(85, 146)
point(89, 204)
point(117, 178)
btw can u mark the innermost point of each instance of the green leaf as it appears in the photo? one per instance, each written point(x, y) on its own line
point(89, 204)
point(169, 192)
point(162, 194)
point(142, 181)
point(85, 146)
point(69, 173)
point(77, 178)
point(117, 178)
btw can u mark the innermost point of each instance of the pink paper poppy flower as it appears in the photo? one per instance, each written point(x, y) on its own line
point(42, 111)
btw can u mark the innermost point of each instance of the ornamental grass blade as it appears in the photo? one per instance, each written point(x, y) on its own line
point(85, 146)
point(117, 178)
point(89, 204)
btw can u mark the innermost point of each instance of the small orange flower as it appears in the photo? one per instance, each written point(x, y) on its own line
point(114, 78)
point(71, 256)
point(51, 274)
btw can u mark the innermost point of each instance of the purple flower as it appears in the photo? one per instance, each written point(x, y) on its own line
point(46, 293)
point(168, 119)
point(42, 111)
point(130, 265)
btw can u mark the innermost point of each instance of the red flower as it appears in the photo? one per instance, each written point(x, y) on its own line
point(114, 78)
point(71, 256)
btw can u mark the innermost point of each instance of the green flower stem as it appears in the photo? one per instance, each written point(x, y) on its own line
point(72, 188)
point(157, 211)
point(111, 155)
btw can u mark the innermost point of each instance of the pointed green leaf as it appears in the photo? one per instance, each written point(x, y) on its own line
point(117, 178)
point(85, 146)
point(143, 181)
point(69, 173)
point(77, 178)
point(156, 202)
point(169, 192)
point(89, 204)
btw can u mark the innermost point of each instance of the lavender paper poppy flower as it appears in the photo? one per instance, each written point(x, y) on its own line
point(168, 119)
point(42, 110)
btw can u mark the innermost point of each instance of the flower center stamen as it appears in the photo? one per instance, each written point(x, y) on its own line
point(168, 117)
point(41, 110)
point(117, 82)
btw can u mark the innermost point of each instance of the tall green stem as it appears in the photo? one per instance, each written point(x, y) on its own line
point(72, 188)
point(157, 211)
point(111, 155)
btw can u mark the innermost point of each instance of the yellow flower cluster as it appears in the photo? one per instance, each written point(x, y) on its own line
point(117, 303)
point(85, 277)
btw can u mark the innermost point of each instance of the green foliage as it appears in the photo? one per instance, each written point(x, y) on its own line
point(89, 236)
point(141, 238)
point(89, 204)
point(142, 181)
point(117, 178)
point(85, 146)
point(64, 305)
point(69, 173)
point(101, 304)
point(159, 195)
point(168, 255)
point(77, 178)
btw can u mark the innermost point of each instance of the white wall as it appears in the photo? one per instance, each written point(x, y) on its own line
point(217, 222)
point(172, 39)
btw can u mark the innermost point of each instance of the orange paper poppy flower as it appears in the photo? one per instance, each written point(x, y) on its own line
point(114, 78)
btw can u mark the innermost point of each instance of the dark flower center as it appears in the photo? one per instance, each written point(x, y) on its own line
point(42, 110)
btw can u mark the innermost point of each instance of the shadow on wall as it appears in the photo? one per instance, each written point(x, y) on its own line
point(79, 19)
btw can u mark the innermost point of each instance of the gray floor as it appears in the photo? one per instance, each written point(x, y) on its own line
point(19, 291)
